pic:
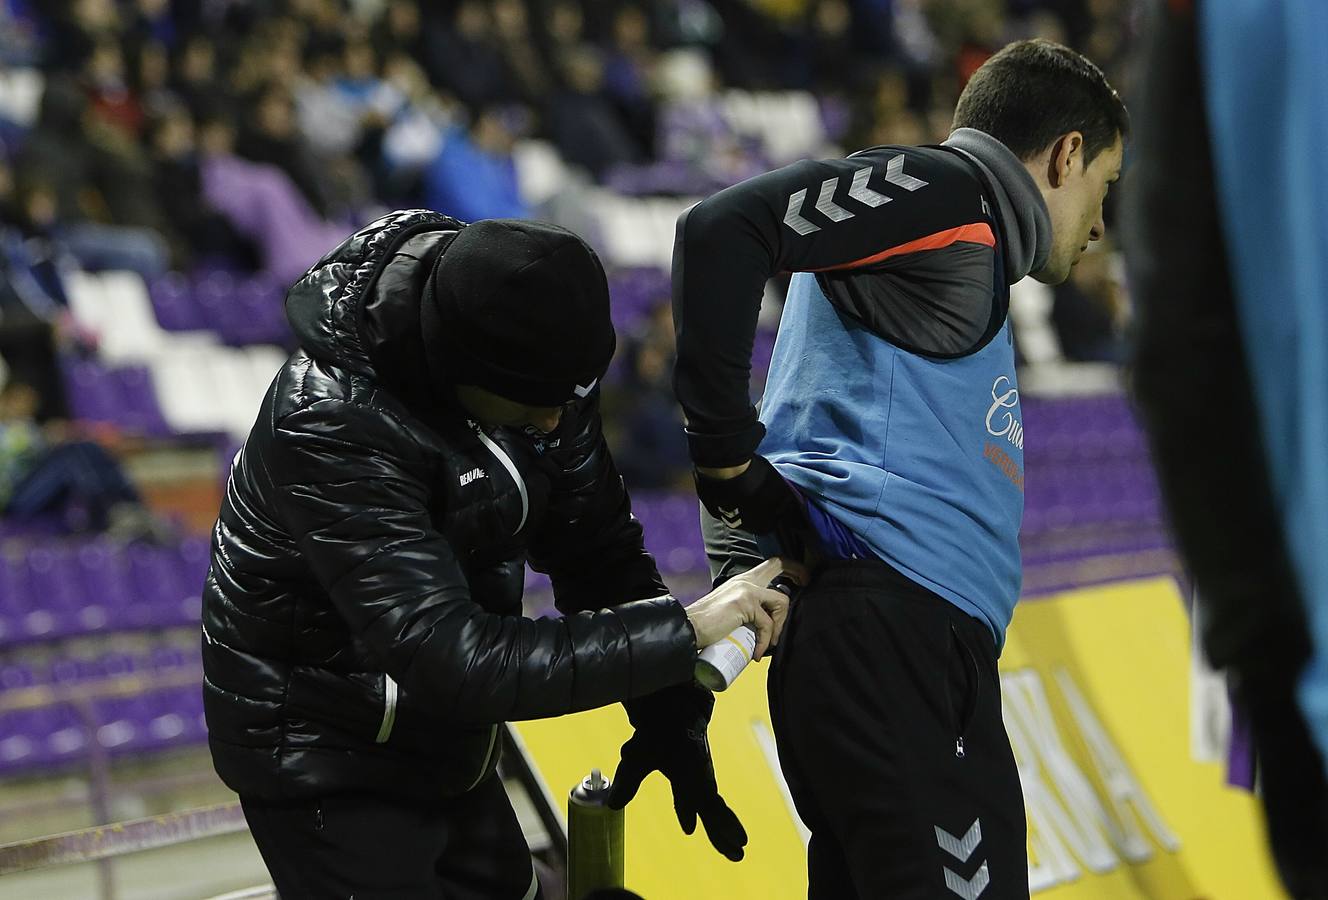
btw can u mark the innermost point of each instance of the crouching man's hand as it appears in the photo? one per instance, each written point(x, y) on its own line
point(670, 738)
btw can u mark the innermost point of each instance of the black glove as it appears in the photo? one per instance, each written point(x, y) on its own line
point(671, 737)
point(760, 501)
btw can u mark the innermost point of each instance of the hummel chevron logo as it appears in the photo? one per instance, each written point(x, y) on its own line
point(894, 174)
point(863, 194)
point(825, 203)
point(858, 190)
point(472, 475)
point(795, 221)
point(731, 517)
point(960, 848)
point(971, 888)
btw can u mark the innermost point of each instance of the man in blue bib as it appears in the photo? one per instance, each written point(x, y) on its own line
point(889, 450)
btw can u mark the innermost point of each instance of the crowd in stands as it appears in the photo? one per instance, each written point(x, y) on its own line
point(249, 136)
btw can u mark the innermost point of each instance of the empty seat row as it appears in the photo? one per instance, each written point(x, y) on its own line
point(63, 590)
point(60, 735)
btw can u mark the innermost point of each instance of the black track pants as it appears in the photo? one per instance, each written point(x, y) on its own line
point(886, 707)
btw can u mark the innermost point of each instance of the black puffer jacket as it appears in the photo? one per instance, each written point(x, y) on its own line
point(362, 616)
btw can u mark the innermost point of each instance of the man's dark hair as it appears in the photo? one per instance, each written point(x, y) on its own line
point(1032, 92)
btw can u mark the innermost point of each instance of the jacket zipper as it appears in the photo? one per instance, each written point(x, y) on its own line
point(965, 718)
point(488, 757)
point(389, 709)
point(511, 470)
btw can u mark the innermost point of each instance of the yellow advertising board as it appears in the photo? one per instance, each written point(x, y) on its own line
point(1095, 693)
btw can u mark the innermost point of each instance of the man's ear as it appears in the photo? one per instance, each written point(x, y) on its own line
point(1066, 154)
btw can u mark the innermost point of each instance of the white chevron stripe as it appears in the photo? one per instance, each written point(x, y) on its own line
point(863, 194)
point(971, 888)
point(960, 849)
point(794, 220)
point(825, 203)
point(894, 174)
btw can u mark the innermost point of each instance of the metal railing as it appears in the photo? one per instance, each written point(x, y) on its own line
point(101, 842)
point(81, 698)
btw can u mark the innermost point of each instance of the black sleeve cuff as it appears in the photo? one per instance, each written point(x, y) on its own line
point(663, 643)
point(719, 451)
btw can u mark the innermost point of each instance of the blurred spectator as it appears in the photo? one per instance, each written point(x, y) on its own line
point(529, 77)
point(629, 70)
point(361, 88)
point(832, 66)
point(52, 474)
point(73, 28)
point(652, 446)
point(414, 138)
point(194, 74)
point(466, 56)
point(19, 37)
point(151, 21)
point(329, 117)
point(582, 120)
point(197, 232)
point(32, 259)
point(399, 31)
point(262, 204)
point(753, 46)
point(473, 176)
point(269, 135)
point(150, 76)
point(110, 101)
point(73, 179)
point(32, 300)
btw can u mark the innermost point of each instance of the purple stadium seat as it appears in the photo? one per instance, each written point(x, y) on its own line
point(93, 394)
point(194, 555)
point(74, 669)
point(177, 716)
point(122, 723)
point(16, 675)
point(139, 410)
point(258, 314)
point(155, 580)
point(214, 292)
point(64, 735)
point(104, 575)
point(167, 657)
point(173, 303)
point(153, 720)
point(22, 743)
point(11, 626)
point(28, 620)
point(116, 664)
point(53, 594)
point(55, 576)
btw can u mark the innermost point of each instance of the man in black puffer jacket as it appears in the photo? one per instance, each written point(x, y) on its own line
point(362, 630)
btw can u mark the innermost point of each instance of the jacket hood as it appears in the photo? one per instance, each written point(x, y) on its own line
point(358, 308)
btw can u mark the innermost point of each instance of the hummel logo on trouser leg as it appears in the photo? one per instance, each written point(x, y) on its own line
point(962, 849)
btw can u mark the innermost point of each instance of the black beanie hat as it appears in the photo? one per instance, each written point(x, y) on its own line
point(520, 309)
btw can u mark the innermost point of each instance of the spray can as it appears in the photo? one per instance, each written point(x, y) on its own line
point(596, 851)
point(722, 662)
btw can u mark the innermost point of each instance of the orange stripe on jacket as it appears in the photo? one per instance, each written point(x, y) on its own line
point(974, 233)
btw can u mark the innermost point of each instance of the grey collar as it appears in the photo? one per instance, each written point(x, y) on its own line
point(1025, 222)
